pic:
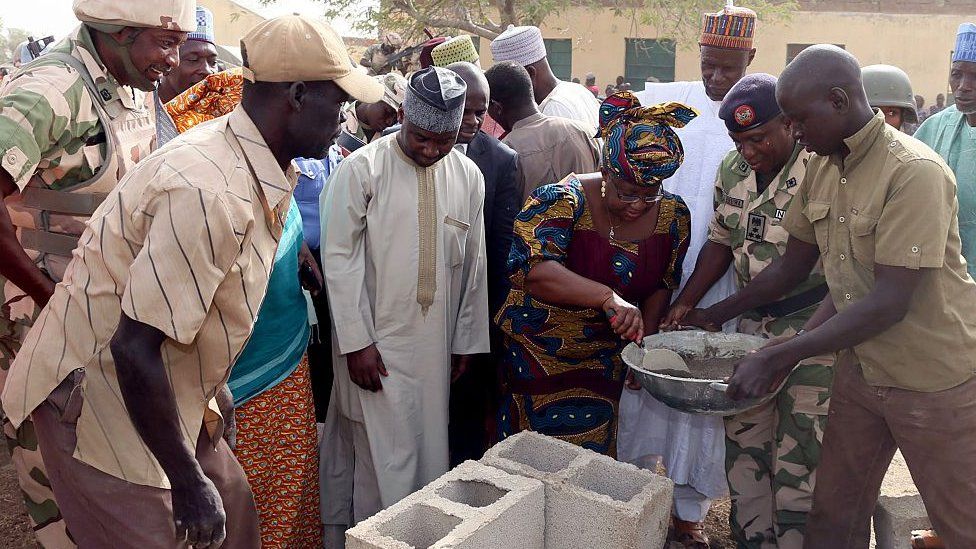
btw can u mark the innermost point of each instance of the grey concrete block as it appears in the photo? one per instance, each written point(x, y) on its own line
point(472, 507)
point(900, 508)
point(592, 501)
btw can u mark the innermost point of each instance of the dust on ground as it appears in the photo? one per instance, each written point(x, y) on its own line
point(15, 531)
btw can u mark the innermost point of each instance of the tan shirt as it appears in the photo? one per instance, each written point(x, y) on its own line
point(892, 201)
point(185, 244)
point(550, 148)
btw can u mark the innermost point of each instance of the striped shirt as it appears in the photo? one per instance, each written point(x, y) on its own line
point(185, 244)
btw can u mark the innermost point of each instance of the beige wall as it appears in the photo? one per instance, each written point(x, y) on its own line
point(231, 20)
point(919, 44)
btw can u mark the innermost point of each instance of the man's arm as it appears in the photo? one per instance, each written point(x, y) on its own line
point(506, 205)
point(885, 306)
point(343, 248)
point(713, 260)
point(772, 283)
point(17, 266)
point(197, 508)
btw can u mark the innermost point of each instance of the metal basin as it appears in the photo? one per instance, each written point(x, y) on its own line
point(687, 394)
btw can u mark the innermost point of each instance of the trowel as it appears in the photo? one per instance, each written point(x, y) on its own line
point(665, 361)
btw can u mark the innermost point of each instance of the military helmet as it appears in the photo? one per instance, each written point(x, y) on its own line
point(889, 86)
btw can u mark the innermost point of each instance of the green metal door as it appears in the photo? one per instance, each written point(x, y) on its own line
point(648, 57)
point(560, 54)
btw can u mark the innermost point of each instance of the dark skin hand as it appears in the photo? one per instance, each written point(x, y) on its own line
point(366, 368)
point(198, 511)
point(17, 266)
point(886, 305)
point(772, 283)
point(654, 308)
point(307, 262)
point(552, 282)
point(713, 260)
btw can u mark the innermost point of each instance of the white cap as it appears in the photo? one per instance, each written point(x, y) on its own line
point(523, 45)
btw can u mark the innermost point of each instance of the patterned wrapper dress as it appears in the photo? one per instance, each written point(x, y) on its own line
point(562, 371)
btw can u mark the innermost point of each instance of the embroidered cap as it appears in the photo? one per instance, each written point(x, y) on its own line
point(732, 28)
point(965, 43)
point(454, 50)
point(435, 100)
point(750, 103)
point(294, 48)
point(205, 27)
point(523, 45)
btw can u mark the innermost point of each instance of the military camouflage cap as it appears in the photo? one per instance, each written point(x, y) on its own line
point(109, 15)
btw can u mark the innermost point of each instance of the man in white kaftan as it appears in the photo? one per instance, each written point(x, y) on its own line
point(404, 261)
point(693, 446)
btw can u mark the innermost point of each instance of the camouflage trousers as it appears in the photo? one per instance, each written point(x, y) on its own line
point(771, 456)
point(42, 509)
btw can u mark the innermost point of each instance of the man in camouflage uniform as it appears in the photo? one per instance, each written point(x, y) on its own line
point(70, 127)
point(376, 58)
point(772, 450)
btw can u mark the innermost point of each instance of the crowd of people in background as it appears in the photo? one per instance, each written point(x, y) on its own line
point(260, 304)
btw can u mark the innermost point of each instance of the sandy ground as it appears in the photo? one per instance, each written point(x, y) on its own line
point(16, 532)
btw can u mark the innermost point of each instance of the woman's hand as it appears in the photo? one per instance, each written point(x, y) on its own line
point(625, 319)
point(631, 381)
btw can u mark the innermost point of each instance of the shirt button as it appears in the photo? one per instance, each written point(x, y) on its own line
point(847, 296)
point(11, 158)
point(854, 211)
point(842, 219)
point(892, 144)
point(843, 257)
point(843, 181)
point(914, 249)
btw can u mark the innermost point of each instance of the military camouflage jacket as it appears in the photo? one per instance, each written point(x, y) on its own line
point(749, 223)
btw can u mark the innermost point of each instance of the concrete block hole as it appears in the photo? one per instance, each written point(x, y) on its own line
point(419, 526)
point(610, 479)
point(540, 454)
point(472, 493)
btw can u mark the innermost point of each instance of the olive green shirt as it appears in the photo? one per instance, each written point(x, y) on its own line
point(892, 201)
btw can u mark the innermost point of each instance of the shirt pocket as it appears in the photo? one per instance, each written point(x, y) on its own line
point(863, 234)
point(817, 214)
point(455, 238)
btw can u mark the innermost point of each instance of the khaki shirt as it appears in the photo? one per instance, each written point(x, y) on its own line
point(550, 148)
point(751, 224)
point(892, 201)
point(185, 244)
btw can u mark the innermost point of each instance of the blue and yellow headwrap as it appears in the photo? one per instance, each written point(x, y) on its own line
point(639, 144)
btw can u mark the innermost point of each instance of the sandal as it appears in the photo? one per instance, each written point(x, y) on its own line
point(926, 539)
point(690, 534)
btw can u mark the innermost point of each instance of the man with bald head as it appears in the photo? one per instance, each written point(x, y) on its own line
point(879, 208)
point(471, 394)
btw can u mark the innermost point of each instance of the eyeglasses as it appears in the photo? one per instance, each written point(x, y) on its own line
point(633, 199)
point(630, 199)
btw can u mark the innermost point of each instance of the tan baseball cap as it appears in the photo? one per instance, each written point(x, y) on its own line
point(177, 15)
point(294, 48)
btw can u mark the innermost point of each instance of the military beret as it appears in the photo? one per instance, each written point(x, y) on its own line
point(750, 103)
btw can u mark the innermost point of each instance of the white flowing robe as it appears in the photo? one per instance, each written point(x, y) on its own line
point(373, 245)
point(693, 446)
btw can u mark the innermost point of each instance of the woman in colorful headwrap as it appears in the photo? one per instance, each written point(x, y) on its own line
point(593, 264)
point(277, 441)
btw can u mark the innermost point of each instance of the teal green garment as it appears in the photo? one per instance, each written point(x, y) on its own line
point(281, 331)
point(954, 139)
